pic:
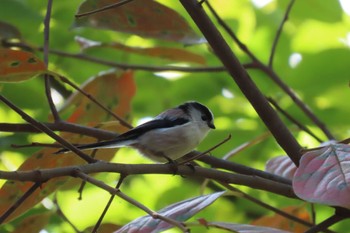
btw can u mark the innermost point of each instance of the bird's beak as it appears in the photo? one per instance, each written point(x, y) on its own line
point(211, 125)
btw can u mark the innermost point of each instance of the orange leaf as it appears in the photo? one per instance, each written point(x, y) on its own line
point(33, 223)
point(174, 54)
point(280, 222)
point(16, 65)
point(112, 89)
point(143, 18)
point(115, 90)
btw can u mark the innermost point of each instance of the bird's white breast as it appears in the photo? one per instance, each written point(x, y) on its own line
point(173, 142)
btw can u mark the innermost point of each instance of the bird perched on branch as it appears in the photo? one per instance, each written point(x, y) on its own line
point(169, 136)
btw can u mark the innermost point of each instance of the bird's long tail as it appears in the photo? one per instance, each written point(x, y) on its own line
point(98, 145)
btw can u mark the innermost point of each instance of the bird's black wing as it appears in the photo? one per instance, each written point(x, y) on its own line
point(151, 125)
point(133, 133)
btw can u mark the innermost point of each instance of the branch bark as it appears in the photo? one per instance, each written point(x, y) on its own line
point(282, 135)
point(136, 169)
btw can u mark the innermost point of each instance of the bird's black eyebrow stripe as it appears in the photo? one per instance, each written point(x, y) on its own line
point(185, 107)
point(154, 124)
point(203, 109)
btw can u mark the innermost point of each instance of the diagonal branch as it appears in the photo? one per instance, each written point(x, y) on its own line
point(222, 23)
point(108, 7)
point(12, 209)
point(292, 119)
point(46, 61)
point(46, 130)
point(90, 97)
point(257, 64)
point(279, 31)
point(132, 201)
point(281, 133)
point(59, 126)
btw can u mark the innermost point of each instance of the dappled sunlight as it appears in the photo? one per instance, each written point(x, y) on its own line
point(137, 60)
point(295, 59)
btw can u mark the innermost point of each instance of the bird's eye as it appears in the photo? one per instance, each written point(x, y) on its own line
point(204, 118)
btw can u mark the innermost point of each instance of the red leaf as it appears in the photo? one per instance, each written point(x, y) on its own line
point(282, 166)
point(180, 211)
point(144, 18)
point(324, 176)
point(244, 228)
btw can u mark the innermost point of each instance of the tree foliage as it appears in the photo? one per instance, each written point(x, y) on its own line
point(275, 76)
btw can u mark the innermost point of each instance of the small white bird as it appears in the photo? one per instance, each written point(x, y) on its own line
point(169, 136)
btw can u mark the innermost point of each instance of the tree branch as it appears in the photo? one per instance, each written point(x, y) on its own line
point(90, 97)
point(108, 7)
point(293, 120)
point(46, 61)
point(46, 130)
point(62, 126)
point(123, 66)
point(282, 135)
point(132, 201)
point(252, 181)
point(12, 209)
point(257, 64)
point(279, 31)
point(326, 223)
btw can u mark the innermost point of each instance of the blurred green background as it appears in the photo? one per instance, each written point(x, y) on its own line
point(312, 58)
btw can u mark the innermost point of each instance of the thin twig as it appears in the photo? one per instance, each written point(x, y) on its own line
point(197, 156)
point(307, 111)
point(130, 200)
point(240, 76)
point(246, 145)
point(62, 126)
point(326, 223)
point(98, 223)
point(46, 130)
point(90, 97)
point(241, 169)
point(256, 63)
point(37, 144)
point(269, 207)
point(279, 31)
point(46, 61)
point(12, 209)
point(292, 119)
point(99, 10)
point(125, 66)
point(222, 23)
point(63, 216)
